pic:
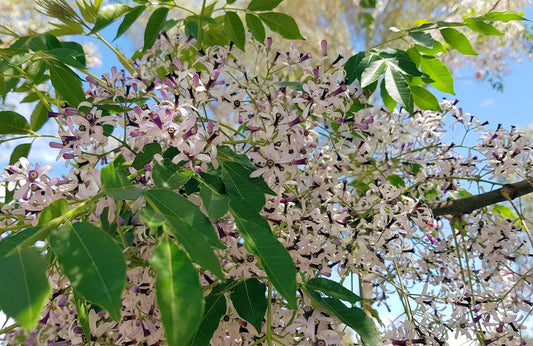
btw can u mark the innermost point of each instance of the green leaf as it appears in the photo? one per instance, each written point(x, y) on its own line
point(398, 89)
point(273, 256)
point(191, 187)
point(170, 24)
point(504, 211)
point(263, 5)
point(414, 55)
point(387, 100)
point(146, 155)
point(437, 48)
point(153, 27)
point(20, 59)
point(249, 299)
point(215, 36)
point(425, 99)
point(368, 3)
point(24, 289)
point(239, 185)
point(34, 72)
point(282, 24)
point(179, 294)
point(172, 205)
point(353, 317)
point(229, 2)
point(67, 84)
point(225, 154)
point(52, 41)
point(116, 185)
point(21, 150)
point(422, 38)
point(332, 289)
point(480, 26)
point(76, 47)
point(365, 62)
point(93, 262)
point(39, 116)
point(373, 72)
point(457, 40)
point(503, 16)
point(352, 68)
point(107, 129)
point(441, 75)
point(396, 180)
point(247, 213)
point(441, 24)
point(12, 123)
point(191, 28)
point(10, 242)
point(208, 12)
point(152, 218)
point(401, 62)
point(235, 29)
point(459, 193)
point(245, 172)
point(256, 27)
point(55, 209)
point(108, 14)
point(213, 181)
point(66, 29)
point(83, 314)
point(215, 308)
point(366, 19)
point(190, 226)
point(69, 57)
point(30, 97)
point(167, 175)
point(216, 205)
point(129, 19)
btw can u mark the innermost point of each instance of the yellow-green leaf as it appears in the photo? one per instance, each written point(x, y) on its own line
point(437, 71)
point(457, 40)
point(424, 98)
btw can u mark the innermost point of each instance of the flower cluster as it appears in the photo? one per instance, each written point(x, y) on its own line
point(352, 183)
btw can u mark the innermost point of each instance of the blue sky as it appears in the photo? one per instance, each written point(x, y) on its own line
point(510, 107)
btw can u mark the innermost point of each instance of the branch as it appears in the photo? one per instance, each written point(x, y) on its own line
point(469, 204)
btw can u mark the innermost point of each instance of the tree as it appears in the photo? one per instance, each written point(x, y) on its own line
point(214, 199)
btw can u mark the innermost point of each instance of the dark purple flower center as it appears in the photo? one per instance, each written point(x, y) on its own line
point(297, 121)
point(33, 174)
point(190, 133)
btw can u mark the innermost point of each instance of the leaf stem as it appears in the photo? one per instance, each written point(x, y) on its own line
point(9, 328)
point(48, 227)
point(123, 60)
point(200, 24)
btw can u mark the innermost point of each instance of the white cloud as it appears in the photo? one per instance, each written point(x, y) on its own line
point(488, 103)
